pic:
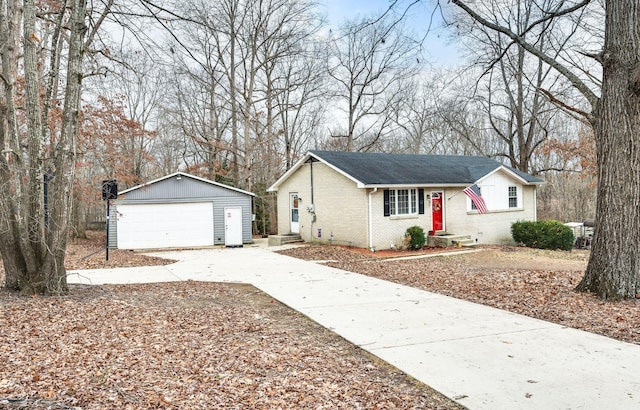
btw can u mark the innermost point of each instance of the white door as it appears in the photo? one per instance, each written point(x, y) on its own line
point(294, 214)
point(233, 226)
point(150, 226)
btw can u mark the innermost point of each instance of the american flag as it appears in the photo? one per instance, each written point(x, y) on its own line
point(473, 192)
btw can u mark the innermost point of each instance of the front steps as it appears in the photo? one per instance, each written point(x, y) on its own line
point(278, 240)
point(444, 239)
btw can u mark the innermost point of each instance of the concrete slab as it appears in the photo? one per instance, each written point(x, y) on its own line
point(484, 358)
point(147, 274)
point(432, 255)
point(427, 320)
point(538, 369)
point(336, 291)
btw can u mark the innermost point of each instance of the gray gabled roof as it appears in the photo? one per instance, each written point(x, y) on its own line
point(527, 177)
point(184, 174)
point(369, 169)
point(401, 169)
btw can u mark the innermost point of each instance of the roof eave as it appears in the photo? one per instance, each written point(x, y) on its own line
point(134, 188)
point(414, 185)
point(358, 183)
point(302, 161)
point(285, 176)
point(522, 180)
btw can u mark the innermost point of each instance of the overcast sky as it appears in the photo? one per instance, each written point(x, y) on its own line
point(437, 46)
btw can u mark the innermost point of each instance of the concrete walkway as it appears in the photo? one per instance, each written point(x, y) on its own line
point(483, 358)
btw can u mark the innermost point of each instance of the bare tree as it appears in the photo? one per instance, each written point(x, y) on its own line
point(199, 107)
point(34, 227)
point(439, 117)
point(238, 50)
point(512, 89)
point(171, 149)
point(301, 106)
point(141, 82)
point(613, 271)
point(418, 121)
point(371, 64)
point(293, 65)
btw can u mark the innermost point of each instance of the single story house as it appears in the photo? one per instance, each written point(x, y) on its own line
point(180, 210)
point(370, 199)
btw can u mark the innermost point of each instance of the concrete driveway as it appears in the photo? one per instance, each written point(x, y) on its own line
point(483, 358)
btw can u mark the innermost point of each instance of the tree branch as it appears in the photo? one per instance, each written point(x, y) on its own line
point(565, 106)
point(591, 97)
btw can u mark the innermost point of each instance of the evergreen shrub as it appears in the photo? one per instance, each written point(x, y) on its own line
point(548, 234)
point(415, 237)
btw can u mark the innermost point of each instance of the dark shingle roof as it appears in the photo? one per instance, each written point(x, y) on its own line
point(400, 169)
point(525, 176)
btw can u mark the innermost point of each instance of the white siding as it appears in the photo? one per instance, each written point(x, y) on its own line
point(493, 227)
point(495, 192)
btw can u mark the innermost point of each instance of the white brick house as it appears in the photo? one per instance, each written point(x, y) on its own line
point(369, 199)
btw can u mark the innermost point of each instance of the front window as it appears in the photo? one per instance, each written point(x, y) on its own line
point(513, 197)
point(403, 201)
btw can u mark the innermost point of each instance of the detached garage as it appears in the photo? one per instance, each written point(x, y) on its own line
point(178, 211)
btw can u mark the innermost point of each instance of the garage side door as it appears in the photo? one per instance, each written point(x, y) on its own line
point(146, 226)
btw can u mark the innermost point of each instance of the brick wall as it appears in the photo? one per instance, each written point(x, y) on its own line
point(342, 210)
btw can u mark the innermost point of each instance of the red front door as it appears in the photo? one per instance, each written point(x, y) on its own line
point(436, 211)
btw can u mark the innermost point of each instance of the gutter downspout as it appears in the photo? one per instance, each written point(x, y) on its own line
point(371, 219)
point(535, 202)
point(311, 208)
point(311, 172)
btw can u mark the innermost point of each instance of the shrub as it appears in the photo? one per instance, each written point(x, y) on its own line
point(415, 237)
point(543, 234)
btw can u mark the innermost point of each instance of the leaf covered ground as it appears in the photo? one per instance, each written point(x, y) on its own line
point(206, 345)
point(531, 282)
point(186, 345)
point(90, 253)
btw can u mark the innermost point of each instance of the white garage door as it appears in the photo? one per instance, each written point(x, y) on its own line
point(146, 226)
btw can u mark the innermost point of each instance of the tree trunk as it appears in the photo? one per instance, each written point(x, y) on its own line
point(233, 94)
point(10, 18)
point(32, 246)
point(12, 266)
point(79, 222)
point(65, 158)
point(613, 271)
point(33, 206)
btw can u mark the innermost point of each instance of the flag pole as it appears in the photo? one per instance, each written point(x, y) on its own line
point(456, 194)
